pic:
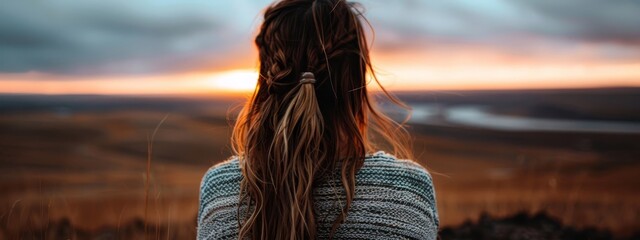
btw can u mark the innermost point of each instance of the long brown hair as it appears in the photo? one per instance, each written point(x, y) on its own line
point(289, 135)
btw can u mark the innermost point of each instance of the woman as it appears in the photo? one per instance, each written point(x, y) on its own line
point(305, 165)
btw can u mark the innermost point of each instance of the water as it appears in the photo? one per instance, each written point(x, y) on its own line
point(479, 116)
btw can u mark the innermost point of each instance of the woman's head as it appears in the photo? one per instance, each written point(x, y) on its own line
point(324, 37)
point(291, 134)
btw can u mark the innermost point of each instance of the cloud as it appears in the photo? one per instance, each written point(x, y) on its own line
point(122, 37)
point(543, 27)
point(163, 36)
point(590, 19)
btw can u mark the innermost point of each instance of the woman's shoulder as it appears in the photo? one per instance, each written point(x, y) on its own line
point(220, 177)
point(230, 164)
point(405, 176)
point(222, 170)
point(385, 162)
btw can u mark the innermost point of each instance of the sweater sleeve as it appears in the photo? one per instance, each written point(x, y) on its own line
point(218, 202)
point(207, 189)
point(423, 186)
point(430, 194)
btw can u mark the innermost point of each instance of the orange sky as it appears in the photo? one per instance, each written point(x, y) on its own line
point(207, 47)
point(471, 69)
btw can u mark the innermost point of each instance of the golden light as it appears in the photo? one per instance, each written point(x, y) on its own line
point(535, 76)
point(242, 80)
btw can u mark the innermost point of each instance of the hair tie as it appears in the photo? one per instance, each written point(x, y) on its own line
point(307, 77)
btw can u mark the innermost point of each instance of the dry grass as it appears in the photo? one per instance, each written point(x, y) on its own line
point(581, 188)
point(84, 176)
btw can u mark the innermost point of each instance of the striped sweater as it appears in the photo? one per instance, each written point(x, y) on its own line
point(394, 199)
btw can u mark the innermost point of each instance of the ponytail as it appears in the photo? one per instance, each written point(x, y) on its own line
point(295, 149)
point(282, 178)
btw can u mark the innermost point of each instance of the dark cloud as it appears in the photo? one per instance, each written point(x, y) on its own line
point(520, 26)
point(118, 37)
point(591, 20)
point(160, 36)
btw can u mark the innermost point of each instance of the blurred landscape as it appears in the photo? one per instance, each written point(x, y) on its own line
point(74, 166)
point(84, 84)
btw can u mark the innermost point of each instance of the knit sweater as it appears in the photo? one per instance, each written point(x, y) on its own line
point(394, 199)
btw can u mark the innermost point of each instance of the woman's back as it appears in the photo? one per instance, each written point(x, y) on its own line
point(394, 199)
point(301, 140)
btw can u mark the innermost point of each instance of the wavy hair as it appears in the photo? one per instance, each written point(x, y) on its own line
point(289, 136)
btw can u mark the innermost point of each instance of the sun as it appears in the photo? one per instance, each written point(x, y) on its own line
point(239, 80)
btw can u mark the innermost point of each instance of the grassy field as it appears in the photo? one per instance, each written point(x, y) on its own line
point(80, 171)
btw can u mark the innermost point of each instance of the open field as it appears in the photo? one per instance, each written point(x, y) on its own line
point(76, 165)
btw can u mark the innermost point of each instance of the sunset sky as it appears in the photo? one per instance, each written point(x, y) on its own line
point(206, 47)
